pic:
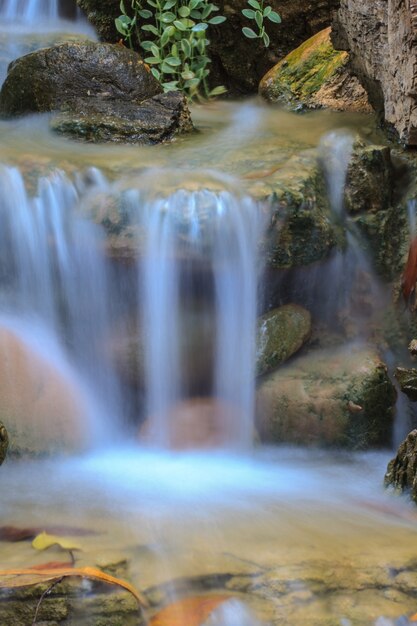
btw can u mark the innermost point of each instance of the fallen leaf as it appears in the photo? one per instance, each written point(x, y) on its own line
point(44, 541)
point(188, 611)
point(15, 579)
point(14, 533)
point(409, 277)
point(52, 565)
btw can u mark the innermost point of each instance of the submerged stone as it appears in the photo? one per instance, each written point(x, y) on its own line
point(104, 93)
point(402, 470)
point(315, 75)
point(281, 333)
point(335, 397)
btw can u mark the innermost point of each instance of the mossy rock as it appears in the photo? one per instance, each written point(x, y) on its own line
point(69, 604)
point(402, 470)
point(281, 333)
point(338, 397)
point(314, 75)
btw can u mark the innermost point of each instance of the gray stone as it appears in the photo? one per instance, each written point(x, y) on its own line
point(402, 470)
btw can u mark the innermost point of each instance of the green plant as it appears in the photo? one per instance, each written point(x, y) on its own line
point(258, 13)
point(173, 35)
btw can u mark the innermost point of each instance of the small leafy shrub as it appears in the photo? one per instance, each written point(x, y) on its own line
point(258, 14)
point(173, 35)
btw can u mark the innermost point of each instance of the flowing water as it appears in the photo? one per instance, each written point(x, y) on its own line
point(120, 346)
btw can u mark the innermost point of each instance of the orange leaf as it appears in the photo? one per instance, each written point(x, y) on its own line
point(413, 618)
point(53, 565)
point(12, 579)
point(192, 611)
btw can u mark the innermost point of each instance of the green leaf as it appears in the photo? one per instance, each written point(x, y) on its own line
point(266, 40)
point(187, 75)
point(259, 19)
point(267, 11)
point(206, 11)
point(192, 83)
point(173, 61)
point(193, 4)
point(178, 24)
point(249, 13)
point(186, 47)
point(167, 69)
point(152, 60)
point(156, 73)
point(122, 7)
point(198, 28)
point(170, 86)
point(152, 3)
point(248, 32)
point(155, 50)
point(149, 28)
point(219, 19)
point(168, 17)
point(253, 3)
point(146, 45)
point(120, 26)
point(196, 15)
point(274, 17)
point(217, 91)
point(145, 13)
point(169, 5)
point(184, 11)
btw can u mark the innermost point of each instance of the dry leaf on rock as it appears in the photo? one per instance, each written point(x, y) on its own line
point(14, 579)
point(43, 541)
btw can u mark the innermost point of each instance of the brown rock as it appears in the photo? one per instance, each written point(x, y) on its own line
point(402, 471)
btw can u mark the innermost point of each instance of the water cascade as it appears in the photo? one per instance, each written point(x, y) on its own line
point(54, 281)
point(200, 242)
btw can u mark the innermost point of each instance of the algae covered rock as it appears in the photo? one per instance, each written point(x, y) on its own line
point(314, 75)
point(402, 470)
point(281, 333)
point(333, 397)
point(104, 93)
point(4, 442)
point(301, 229)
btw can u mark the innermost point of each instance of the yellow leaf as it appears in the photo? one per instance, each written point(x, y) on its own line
point(192, 611)
point(13, 579)
point(44, 541)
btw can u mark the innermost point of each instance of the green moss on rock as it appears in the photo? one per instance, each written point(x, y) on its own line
point(281, 333)
point(303, 71)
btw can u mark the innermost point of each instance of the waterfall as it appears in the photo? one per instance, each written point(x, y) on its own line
point(200, 254)
point(54, 282)
point(28, 10)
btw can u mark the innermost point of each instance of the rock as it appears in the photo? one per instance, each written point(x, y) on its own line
point(156, 120)
point(299, 229)
point(315, 75)
point(338, 397)
point(69, 602)
point(44, 409)
point(4, 442)
point(370, 180)
point(381, 38)
point(407, 379)
point(104, 93)
point(402, 470)
point(237, 62)
point(281, 333)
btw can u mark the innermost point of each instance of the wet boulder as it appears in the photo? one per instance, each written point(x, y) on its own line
point(281, 333)
point(402, 470)
point(407, 379)
point(4, 442)
point(332, 397)
point(104, 93)
point(315, 75)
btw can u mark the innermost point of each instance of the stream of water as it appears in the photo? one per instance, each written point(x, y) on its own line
point(120, 354)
